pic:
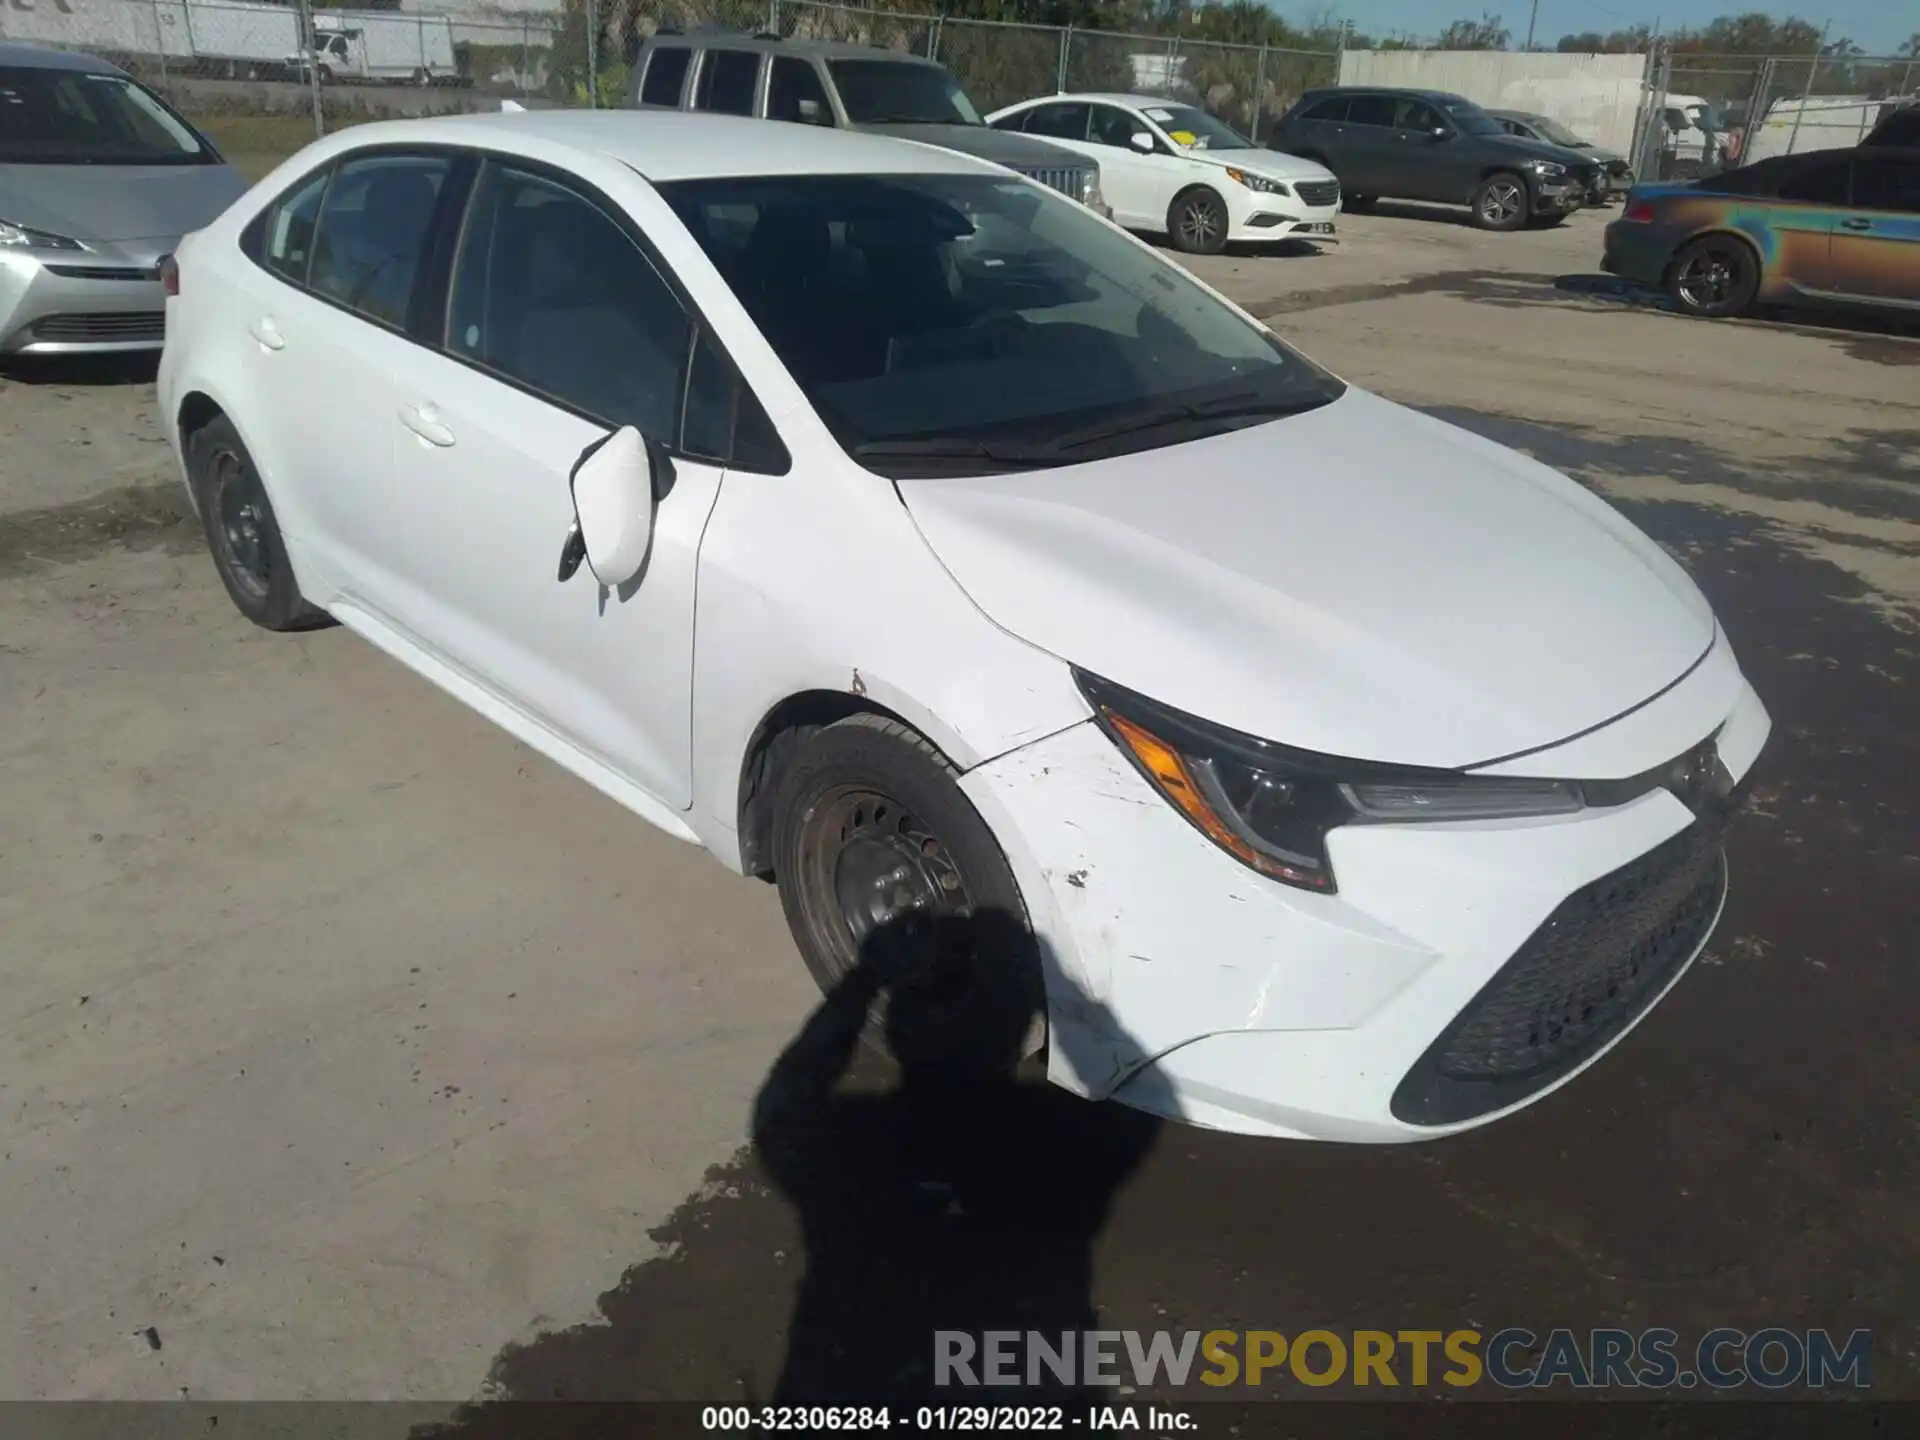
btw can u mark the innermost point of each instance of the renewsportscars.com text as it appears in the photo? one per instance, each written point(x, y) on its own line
point(1774, 1358)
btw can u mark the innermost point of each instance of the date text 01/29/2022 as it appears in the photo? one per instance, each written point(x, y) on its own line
point(811, 1419)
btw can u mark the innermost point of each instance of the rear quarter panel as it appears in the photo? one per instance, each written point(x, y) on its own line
point(1792, 240)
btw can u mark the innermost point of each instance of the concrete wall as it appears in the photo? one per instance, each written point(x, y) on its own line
point(1595, 96)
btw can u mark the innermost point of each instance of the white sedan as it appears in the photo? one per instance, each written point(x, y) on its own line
point(1085, 665)
point(1172, 169)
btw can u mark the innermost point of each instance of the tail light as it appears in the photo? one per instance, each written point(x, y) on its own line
point(169, 275)
point(1639, 211)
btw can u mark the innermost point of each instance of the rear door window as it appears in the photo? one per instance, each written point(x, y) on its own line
point(1062, 122)
point(1333, 111)
point(666, 73)
point(373, 232)
point(794, 92)
point(727, 82)
point(1371, 110)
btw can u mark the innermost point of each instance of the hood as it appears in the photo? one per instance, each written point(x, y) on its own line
point(117, 202)
point(1361, 580)
point(1559, 154)
point(1270, 163)
point(1002, 147)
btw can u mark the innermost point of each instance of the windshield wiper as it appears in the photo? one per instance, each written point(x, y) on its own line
point(1006, 455)
point(1226, 407)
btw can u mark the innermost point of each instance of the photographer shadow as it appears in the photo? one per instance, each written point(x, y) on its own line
point(967, 1197)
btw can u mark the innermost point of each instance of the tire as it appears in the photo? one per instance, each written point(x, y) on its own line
point(1501, 202)
point(242, 535)
point(1713, 277)
point(1197, 222)
point(1357, 204)
point(875, 844)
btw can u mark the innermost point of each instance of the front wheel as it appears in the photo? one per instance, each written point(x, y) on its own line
point(1714, 276)
point(1197, 221)
point(877, 851)
point(1501, 202)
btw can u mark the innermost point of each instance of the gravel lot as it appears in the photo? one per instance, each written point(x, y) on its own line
point(352, 1050)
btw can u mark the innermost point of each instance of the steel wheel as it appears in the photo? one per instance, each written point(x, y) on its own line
point(886, 868)
point(240, 523)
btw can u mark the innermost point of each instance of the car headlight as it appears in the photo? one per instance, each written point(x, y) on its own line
point(24, 237)
point(1546, 169)
point(1258, 182)
point(1271, 807)
point(1089, 187)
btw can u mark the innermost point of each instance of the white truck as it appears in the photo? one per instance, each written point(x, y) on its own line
point(1819, 122)
point(379, 47)
point(235, 40)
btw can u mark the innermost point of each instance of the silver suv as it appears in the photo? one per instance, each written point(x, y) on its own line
point(852, 87)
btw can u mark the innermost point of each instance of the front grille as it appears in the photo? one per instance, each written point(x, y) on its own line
point(129, 325)
point(1317, 192)
point(1595, 965)
point(1068, 181)
point(101, 272)
point(1583, 175)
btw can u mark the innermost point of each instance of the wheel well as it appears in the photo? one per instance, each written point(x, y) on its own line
point(775, 740)
point(197, 411)
point(1487, 172)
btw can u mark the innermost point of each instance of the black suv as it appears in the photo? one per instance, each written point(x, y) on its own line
point(1429, 145)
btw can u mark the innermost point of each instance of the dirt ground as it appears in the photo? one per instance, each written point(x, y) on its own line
point(349, 1049)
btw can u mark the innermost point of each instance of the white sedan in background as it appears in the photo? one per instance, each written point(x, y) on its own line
point(1087, 667)
point(1172, 169)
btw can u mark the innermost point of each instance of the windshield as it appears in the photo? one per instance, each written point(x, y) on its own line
point(893, 92)
point(1559, 134)
point(71, 117)
point(958, 324)
point(1471, 119)
point(1194, 128)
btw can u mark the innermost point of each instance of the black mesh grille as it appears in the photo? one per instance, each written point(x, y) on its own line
point(1317, 192)
point(100, 272)
point(131, 325)
point(1581, 978)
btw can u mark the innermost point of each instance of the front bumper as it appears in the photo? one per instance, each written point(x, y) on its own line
point(1557, 197)
point(1190, 987)
point(68, 302)
point(1256, 216)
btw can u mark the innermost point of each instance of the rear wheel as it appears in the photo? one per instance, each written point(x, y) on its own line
point(874, 844)
point(1714, 276)
point(1197, 221)
point(1501, 202)
point(242, 534)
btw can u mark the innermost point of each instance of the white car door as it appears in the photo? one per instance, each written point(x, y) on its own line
point(325, 306)
point(558, 329)
point(1139, 185)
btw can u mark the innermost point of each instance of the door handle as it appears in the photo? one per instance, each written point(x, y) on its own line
point(267, 333)
point(1856, 224)
point(424, 421)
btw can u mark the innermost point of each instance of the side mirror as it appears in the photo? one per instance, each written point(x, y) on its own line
point(1141, 141)
point(613, 490)
point(1439, 133)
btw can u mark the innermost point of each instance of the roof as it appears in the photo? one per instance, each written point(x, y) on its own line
point(1445, 97)
point(1102, 97)
point(815, 49)
point(667, 145)
point(26, 55)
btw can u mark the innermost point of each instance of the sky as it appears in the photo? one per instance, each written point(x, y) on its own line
point(1877, 26)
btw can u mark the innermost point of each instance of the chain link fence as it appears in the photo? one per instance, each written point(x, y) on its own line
point(1713, 112)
